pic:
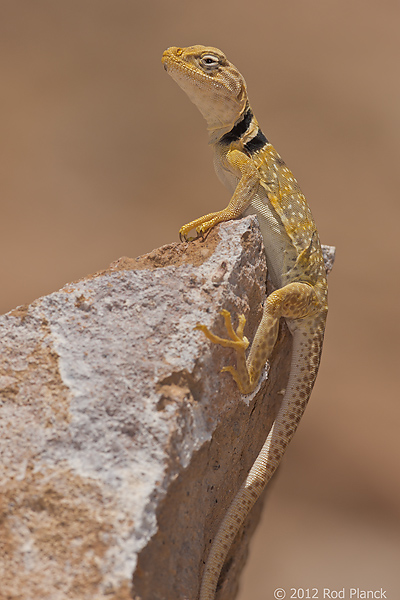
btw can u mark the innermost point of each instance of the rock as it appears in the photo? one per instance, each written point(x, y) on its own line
point(121, 443)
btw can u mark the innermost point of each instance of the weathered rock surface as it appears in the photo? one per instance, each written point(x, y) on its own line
point(121, 444)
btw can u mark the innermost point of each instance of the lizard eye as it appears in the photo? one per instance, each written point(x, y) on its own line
point(208, 60)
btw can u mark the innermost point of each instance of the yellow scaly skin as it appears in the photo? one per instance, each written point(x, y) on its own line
point(260, 184)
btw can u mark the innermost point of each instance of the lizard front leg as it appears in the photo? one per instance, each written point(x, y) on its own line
point(248, 177)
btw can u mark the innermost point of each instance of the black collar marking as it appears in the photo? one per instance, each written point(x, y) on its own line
point(256, 143)
point(239, 129)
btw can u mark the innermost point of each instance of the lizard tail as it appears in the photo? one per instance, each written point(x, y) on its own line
point(305, 360)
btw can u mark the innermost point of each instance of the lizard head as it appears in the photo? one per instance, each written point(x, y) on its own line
point(214, 85)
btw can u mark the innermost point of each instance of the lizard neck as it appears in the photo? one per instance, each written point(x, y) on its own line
point(236, 129)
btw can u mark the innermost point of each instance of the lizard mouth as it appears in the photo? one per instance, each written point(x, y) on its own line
point(164, 60)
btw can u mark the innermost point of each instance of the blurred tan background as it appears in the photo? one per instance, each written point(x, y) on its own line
point(102, 155)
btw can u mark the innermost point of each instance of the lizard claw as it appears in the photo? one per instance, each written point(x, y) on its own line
point(200, 232)
point(183, 234)
point(201, 229)
point(187, 238)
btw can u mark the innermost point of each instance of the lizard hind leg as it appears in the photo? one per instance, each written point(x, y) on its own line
point(292, 301)
point(248, 371)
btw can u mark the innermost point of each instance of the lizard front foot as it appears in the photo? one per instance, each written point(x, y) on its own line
point(200, 230)
point(205, 223)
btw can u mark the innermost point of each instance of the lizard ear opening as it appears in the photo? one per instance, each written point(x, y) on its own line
point(241, 98)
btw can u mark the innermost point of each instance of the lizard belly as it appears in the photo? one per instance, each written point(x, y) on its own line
point(278, 246)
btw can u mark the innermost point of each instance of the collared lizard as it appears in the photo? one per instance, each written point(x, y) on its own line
point(260, 184)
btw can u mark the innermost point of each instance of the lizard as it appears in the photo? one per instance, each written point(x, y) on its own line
point(260, 184)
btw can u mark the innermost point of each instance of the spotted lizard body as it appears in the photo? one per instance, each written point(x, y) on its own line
point(261, 184)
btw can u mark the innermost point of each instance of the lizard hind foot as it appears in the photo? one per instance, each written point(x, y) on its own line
point(237, 340)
